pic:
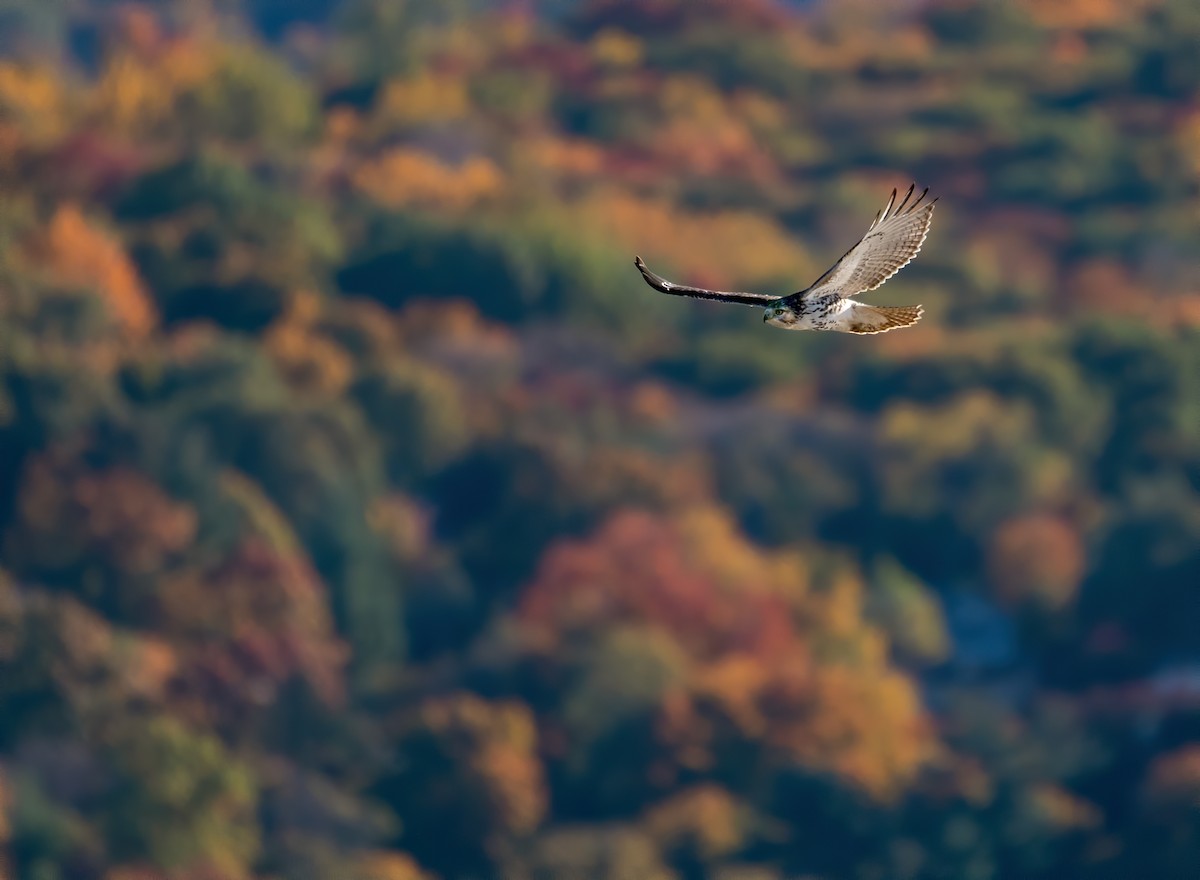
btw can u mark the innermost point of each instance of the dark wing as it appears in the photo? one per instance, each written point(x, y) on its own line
point(661, 284)
point(892, 240)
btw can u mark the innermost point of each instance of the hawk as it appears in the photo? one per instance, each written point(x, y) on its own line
point(893, 239)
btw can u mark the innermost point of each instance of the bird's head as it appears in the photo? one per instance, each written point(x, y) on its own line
point(779, 315)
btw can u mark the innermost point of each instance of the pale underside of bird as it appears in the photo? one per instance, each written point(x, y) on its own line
point(893, 239)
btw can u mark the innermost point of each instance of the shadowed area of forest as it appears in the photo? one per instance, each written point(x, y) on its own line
point(363, 516)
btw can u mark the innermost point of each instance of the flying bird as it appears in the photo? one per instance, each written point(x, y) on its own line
point(893, 239)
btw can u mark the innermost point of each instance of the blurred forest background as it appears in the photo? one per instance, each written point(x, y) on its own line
point(364, 517)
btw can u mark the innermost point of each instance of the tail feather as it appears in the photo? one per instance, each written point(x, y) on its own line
point(863, 318)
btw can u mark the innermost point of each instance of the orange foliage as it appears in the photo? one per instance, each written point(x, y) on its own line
point(404, 177)
point(144, 76)
point(1172, 784)
point(640, 568)
point(78, 654)
point(1037, 558)
point(800, 673)
point(562, 157)
point(652, 403)
point(33, 98)
point(703, 135)
point(66, 513)
point(863, 723)
point(1109, 286)
point(80, 254)
point(1085, 14)
point(1184, 311)
point(494, 746)
point(388, 866)
point(149, 665)
point(705, 819)
point(306, 357)
point(428, 98)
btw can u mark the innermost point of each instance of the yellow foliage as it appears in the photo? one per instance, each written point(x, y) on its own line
point(717, 248)
point(1189, 138)
point(870, 727)
point(760, 111)
point(306, 357)
point(80, 254)
point(129, 93)
point(957, 428)
point(735, 683)
point(711, 541)
point(495, 744)
point(694, 98)
point(1058, 807)
point(404, 177)
point(428, 98)
point(382, 865)
point(564, 157)
point(615, 48)
point(263, 520)
point(34, 98)
point(865, 724)
point(705, 819)
point(139, 89)
point(779, 664)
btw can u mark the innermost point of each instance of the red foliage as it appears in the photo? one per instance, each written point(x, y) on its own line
point(69, 514)
point(253, 622)
point(637, 568)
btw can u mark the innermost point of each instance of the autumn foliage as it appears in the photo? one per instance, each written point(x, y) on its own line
point(363, 516)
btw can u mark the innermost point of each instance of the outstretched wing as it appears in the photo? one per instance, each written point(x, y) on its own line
point(892, 240)
point(661, 284)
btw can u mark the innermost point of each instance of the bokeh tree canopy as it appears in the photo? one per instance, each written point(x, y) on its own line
point(364, 517)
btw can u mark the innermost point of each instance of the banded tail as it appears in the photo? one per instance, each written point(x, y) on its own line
point(863, 318)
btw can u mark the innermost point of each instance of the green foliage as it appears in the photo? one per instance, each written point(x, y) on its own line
point(420, 415)
point(46, 837)
point(180, 799)
point(910, 614)
point(363, 515)
point(251, 98)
